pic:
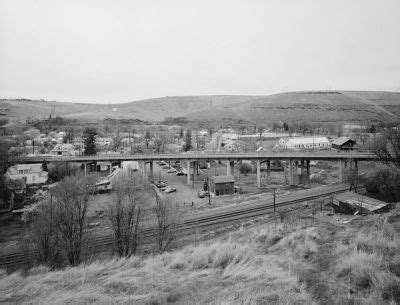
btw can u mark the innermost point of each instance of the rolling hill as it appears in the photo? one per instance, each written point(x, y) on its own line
point(320, 106)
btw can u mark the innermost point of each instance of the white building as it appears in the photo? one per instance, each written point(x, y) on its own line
point(104, 142)
point(230, 136)
point(31, 173)
point(299, 143)
point(63, 150)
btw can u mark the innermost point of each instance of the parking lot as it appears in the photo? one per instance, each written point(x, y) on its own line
point(185, 194)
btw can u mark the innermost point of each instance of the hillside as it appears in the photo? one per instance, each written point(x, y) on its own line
point(300, 260)
point(323, 106)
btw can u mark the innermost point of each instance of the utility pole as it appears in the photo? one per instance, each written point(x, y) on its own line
point(208, 190)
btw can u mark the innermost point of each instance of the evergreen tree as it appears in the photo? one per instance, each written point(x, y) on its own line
point(89, 140)
point(44, 166)
point(188, 140)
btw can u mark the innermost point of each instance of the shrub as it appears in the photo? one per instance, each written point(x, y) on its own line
point(245, 168)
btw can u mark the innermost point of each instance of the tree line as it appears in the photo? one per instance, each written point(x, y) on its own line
point(59, 226)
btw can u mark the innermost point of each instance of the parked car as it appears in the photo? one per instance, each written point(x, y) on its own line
point(166, 167)
point(171, 171)
point(170, 189)
point(202, 194)
point(161, 184)
point(180, 173)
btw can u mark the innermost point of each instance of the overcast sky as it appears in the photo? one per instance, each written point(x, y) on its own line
point(120, 51)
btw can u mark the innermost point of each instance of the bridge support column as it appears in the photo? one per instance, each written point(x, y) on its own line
point(143, 170)
point(308, 171)
point(258, 174)
point(290, 172)
point(188, 172)
point(110, 167)
point(342, 170)
point(151, 169)
point(296, 175)
point(85, 166)
point(355, 170)
point(268, 170)
point(302, 177)
point(194, 172)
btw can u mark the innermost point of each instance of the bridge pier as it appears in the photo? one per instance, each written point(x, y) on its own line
point(302, 176)
point(258, 174)
point(143, 165)
point(188, 172)
point(342, 169)
point(151, 170)
point(194, 170)
point(290, 172)
point(268, 170)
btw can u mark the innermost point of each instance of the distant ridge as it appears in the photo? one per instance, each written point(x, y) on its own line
point(324, 106)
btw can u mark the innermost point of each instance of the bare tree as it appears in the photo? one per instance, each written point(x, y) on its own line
point(125, 215)
point(166, 221)
point(44, 234)
point(70, 204)
point(387, 147)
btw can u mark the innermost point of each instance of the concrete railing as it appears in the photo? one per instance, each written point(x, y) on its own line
point(326, 155)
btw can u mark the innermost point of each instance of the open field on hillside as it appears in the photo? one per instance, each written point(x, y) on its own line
point(325, 107)
point(297, 259)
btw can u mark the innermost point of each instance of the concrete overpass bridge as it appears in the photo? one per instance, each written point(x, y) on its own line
point(299, 162)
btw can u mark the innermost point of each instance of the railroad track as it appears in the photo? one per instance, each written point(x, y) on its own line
point(217, 218)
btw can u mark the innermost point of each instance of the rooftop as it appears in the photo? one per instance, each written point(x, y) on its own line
point(360, 200)
point(342, 140)
point(223, 179)
point(304, 140)
point(63, 147)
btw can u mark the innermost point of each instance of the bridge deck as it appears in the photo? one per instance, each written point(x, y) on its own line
point(360, 156)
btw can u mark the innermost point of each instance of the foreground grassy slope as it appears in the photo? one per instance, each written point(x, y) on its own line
point(318, 106)
point(299, 260)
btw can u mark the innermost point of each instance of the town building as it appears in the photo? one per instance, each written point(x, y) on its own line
point(351, 203)
point(222, 185)
point(300, 143)
point(63, 150)
point(344, 143)
point(104, 142)
point(30, 173)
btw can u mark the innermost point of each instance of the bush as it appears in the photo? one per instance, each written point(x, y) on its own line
point(245, 168)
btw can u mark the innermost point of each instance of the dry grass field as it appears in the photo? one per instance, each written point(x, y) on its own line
point(335, 106)
point(296, 260)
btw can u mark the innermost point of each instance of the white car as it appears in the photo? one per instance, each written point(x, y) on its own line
point(172, 170)
point(170, 189)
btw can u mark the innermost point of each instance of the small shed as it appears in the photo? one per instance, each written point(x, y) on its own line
point(222, 185)
point(350, 202)
point(343, 143)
